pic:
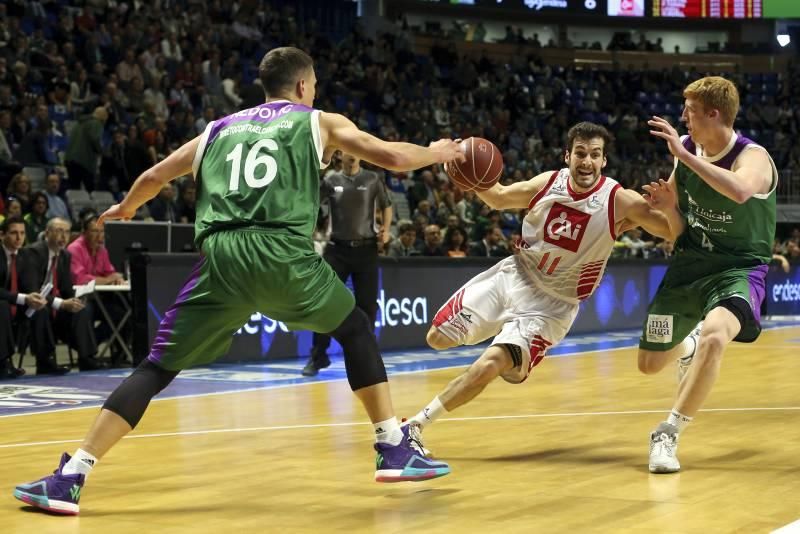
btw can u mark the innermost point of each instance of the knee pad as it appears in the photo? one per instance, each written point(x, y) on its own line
point(362, 359)
point(131, 398)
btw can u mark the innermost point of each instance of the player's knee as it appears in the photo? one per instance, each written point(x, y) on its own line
point(438, 341)
point(485, 370)
point(649, 363)
point(710, 348)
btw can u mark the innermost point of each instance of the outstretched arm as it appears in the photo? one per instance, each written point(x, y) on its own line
point(752, 174)
point(631, 210)
point(150, 182)
point(515, 196)
point(339, 132)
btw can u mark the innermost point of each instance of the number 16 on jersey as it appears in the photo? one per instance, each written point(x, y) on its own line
point(252, 162)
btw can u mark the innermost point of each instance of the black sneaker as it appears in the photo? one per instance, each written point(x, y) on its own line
point(315, 363)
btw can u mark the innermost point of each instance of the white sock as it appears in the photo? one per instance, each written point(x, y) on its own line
point(430, 413)
point(388, 431)
point(81, 462)
point(678, 420)
point(688, 346)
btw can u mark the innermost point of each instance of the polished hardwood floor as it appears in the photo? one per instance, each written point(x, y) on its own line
point(564, 452)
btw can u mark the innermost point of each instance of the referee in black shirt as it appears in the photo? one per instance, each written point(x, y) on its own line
point(353, 195)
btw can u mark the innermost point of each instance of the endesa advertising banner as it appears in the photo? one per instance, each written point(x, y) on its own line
point(411, 291)
point(783, 291)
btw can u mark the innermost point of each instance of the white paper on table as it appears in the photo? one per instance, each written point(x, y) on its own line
point(85, 289)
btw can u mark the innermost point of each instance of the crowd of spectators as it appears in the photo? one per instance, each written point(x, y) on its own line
point(93, 93)
point(96, 93)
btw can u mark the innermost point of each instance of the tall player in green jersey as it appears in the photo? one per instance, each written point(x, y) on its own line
point(257, 173)
point(720, 200)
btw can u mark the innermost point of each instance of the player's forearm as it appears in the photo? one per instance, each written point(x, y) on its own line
point(493, 197)
point(723, 181)
point(387, 217)
point(145, 188)
point(408, 157)
point(676, 223)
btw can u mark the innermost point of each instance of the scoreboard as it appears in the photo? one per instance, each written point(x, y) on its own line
point(718, 9)
point(695, 9)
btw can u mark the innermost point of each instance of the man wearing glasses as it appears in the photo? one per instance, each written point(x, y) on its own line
point(65, 317)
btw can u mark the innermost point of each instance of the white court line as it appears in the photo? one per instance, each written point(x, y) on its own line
point(791, 528)
point(311, 383)
point(362, 423)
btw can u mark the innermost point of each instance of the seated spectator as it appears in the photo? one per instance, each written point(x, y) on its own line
point(52, 190)
point(492, 245)
point(13, 209)
point(9, 166)
point(455, 243)
point(15, 300)
point(90, 257)
point(466, 208)
point(36, 220)
point(633, 245)
point(90, 261)
point(432, 242)
point(793, 251)
point(403, 246)
point(65, 317)
point(20, 189)
point(187, 205)
point(664, 249)
point(163, 207)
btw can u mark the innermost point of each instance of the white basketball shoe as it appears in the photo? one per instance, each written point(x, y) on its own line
point(664, 449)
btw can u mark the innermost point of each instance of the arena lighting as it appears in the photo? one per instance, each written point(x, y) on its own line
point(784, 39)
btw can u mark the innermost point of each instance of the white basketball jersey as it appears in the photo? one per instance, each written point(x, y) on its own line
point(568, 236)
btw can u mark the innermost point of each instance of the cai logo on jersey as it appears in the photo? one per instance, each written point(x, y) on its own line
point(565, 226)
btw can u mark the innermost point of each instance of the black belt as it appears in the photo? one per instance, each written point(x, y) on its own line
point(356, 243)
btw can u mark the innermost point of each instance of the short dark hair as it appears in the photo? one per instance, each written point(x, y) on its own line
point(87, 221)
point(404, 227)
point(8, 221)
point(586, 131)
point(37, 195)
point(280, 69)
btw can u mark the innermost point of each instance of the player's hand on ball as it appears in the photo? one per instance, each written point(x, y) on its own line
point(661, 195)
point(447, 150)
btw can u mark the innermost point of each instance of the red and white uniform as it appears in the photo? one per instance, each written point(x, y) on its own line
point(532, 298)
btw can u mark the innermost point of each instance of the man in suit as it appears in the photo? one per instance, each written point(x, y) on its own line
point(492, 244)
point(14, 301)
point(65, 317)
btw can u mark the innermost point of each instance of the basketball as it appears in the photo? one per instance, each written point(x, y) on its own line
point(482, 168)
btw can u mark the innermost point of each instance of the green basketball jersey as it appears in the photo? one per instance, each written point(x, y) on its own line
point(259, 168)
point(720, 233)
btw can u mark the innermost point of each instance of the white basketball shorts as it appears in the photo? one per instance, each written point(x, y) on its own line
point(500, 302)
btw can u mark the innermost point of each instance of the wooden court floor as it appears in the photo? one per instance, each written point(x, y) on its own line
point(564, 452)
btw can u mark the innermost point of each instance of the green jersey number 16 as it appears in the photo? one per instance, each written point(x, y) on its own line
point(252, 162)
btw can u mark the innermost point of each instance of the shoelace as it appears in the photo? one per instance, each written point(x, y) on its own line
point(666, 441)
point(415, 438)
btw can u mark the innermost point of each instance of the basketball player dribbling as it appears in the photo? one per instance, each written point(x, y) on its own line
point(528, 301)
point(258, 194)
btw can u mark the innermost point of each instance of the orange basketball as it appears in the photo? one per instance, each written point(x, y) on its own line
point(482, 168)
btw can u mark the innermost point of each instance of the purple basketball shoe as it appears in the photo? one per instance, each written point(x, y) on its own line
point(56, 493)
point(404, 462)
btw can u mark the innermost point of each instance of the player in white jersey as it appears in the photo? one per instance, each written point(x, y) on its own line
point(529, 301)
